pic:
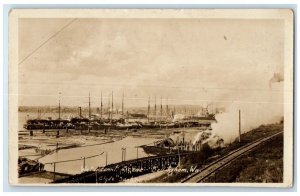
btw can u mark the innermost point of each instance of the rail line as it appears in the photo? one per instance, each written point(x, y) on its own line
point(214, 166)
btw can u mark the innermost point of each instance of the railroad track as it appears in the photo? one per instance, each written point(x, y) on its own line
point(218, 164)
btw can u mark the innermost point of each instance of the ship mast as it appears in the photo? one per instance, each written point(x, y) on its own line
point(89, 106)
point(155, 107)
point(123, 105)
point(108, 107)
point(59, 105)
point(38, 113)
point(112, 105)
point(161, 108)
point(167, 108)
point(148, 108)
point(101, 106)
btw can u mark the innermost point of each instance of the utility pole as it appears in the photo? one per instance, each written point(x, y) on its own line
point(106, 158)
point(54, 171)
point(83, 163)
point(239, 125)
point(123, 154)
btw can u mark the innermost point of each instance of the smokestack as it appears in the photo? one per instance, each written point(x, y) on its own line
point(239, 125)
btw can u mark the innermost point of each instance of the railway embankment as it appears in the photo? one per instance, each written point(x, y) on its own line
point(207, 156)
point(264, 164)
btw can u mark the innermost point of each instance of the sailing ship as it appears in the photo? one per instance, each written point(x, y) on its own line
point(152, 120)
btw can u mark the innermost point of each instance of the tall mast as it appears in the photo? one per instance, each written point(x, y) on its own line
point(38, 114)
point(101, 105)
point(89, 106)
point(148, 113)
point(59, 105)
point(123, 105)
point(161, 108)
point(155, 107)
point(112, 105)
point(167, 108)
point(108, 107)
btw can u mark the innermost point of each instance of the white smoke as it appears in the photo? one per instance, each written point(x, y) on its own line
point(201, 136)
point(266, 109)
point(252, 115)
point(178, 117)
point(210, 138)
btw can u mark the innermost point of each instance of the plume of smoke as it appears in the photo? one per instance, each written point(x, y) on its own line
point(201, 136)
point(209, 138)
point(178, 117)
point(252, 115)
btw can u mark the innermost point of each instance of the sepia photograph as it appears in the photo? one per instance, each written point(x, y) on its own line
point(199, 97)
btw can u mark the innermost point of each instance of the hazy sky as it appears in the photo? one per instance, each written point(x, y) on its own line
point(190, 61)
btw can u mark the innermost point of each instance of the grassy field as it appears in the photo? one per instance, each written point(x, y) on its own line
point(208, 155)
